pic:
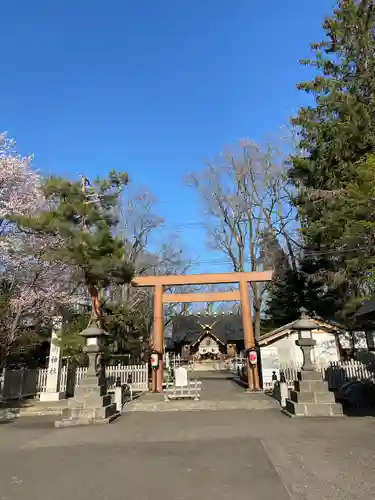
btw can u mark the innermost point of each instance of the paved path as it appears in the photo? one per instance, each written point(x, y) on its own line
point(219, 385)
point(220, 391)
point(190, 455)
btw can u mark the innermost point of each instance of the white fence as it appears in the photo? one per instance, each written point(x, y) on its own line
point(174, 360)
point(24, 382)
point(336, 373)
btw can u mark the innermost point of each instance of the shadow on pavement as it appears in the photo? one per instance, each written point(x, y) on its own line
point(37, 422)
point(353, 411)
point(239, 382)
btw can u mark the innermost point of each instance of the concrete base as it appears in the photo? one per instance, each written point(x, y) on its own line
point(51, 396)
point(311, 398)
point(59, 424)
point(292, 415)
point(91, 405)
point(209, 365)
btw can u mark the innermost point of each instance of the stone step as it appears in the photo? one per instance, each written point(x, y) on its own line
point(84, 390)
point(312, 397)
point(92, 401)
point(313, 409)
point(310, 376)
point(33, 408)
point(311, 385)
point(85, 421)
point(89, 413)
point(245, 403)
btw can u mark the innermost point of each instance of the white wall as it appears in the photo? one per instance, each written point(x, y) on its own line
point(326, 349)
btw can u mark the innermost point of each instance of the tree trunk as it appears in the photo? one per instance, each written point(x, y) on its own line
point(95, 305)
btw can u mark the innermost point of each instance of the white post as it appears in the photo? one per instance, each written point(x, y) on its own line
point(284, 393)
point(167, 361)
point(118, 398)
point(52, 392)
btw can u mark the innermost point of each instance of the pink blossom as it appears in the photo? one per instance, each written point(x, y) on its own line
point(38, 287)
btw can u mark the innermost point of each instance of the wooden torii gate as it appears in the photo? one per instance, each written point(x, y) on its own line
point(161, 298)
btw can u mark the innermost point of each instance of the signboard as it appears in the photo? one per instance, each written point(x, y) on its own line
point(270, 358)
point(270, 363)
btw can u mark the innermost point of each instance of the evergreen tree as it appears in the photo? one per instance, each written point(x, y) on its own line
point(335, 134)
point(358, 215)
point(83, 218)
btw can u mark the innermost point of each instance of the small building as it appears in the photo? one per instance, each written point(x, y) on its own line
point(280, 346)
point(207, 336)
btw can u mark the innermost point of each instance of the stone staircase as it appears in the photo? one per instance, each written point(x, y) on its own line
point(156, 403)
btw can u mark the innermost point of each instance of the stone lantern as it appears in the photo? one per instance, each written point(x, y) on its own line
point(304, 327)
point(310, 397)
point(91, 404)
point(95, 338)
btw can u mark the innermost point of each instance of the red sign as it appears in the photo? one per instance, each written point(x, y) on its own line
point(253, 358)
point(154, 360)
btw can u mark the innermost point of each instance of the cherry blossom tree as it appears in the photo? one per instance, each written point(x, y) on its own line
point(32, 289)
point(19, 183)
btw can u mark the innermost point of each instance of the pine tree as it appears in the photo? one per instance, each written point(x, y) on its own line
point(83, 218)
point(335, 134)
point(359, 234)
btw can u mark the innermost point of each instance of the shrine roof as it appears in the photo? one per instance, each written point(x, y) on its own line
point(188, 329)
point(283, 331)
point(367, 308)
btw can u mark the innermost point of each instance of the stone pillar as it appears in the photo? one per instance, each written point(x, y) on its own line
point(158, 337)
point(306, 352)
point(249, 340)
point(52, 392)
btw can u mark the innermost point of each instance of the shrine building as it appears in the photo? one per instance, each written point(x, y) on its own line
point(208, 336)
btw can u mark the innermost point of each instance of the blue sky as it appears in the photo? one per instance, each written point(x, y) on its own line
point(151, 87)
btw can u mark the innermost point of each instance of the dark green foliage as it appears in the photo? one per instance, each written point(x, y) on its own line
point(338, 130)
point(284, 300)
point(127, 334)
point(81, 222)
point(358, 239)
point(336, 134)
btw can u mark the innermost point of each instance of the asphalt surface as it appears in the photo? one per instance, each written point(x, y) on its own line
point(202, 455)
point(186, 455)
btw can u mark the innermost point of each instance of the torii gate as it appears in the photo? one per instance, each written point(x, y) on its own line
point(161, 298)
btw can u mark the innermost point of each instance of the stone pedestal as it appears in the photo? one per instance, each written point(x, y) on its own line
point(51, 396)
point(91, 405)
point(311, 398)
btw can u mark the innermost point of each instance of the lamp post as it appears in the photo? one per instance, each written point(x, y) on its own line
point(304, 327)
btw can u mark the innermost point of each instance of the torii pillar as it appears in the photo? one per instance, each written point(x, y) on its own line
point(248, 334)
point(158, 337)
